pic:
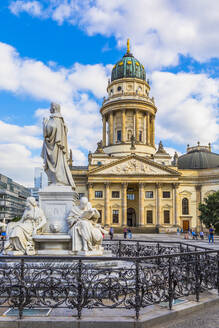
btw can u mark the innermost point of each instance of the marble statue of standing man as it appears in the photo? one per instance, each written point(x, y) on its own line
point(55, 149)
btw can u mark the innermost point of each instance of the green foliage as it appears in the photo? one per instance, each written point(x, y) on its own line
point(210, 210)
point(16, 219)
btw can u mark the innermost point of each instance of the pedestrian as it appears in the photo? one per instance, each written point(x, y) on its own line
point(211, 235)
point(111, 233)
point(178, 232)
point(129, 233)
point(125, 232)
point(186, 235)
point(201, 235)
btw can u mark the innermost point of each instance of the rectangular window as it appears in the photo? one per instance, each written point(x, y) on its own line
point(166, 214)
point(119, 135)
point(166, 194)
point(81, 194)
point(100, 218)
point(115, 216)
point(115, 194)
point(149, 194)
point(149, 216)
point(130, 196)
point(98, 194)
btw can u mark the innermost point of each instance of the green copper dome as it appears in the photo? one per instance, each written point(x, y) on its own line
point(128, 66)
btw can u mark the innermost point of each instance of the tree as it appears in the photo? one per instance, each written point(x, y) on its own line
point(210, 210)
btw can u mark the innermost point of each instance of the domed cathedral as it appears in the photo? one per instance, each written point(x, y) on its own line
point(127, 179)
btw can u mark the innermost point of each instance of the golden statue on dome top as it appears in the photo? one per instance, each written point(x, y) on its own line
point(128, 46)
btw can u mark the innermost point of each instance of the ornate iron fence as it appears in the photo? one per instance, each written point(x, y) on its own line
point(130, 281)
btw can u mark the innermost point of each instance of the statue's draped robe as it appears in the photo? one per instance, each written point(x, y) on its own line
point(20, 233)
point(55, 151)
point(85, 234)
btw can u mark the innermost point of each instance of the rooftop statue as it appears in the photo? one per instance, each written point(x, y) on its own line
point(55, 149)
point(87, 234)
point(19, 234)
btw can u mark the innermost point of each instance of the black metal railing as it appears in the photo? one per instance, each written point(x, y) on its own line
point(127, 281)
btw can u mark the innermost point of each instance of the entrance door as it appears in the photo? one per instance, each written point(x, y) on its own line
point(131, 217)
point(185, 225)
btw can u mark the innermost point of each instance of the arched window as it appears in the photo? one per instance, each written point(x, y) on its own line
point(185, 206)
point(129, 135)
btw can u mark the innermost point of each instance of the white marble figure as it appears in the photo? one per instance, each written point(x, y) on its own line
point(87, 234)
point(19, 234)
point(55, 149)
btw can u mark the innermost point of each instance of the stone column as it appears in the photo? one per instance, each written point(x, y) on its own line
point(145, 130)
point(158, 195)
point(104, 130)
point(123, 126)
point(153, 131)
point(136, 126)
point(141, 205)
point(175, 202)
point(111, 128)
point(148, 128)
point(198, 201)
point(106, 204)
point(124, 203)
point(90, 189)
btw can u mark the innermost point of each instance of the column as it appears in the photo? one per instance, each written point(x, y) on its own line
point(90, 190)
point(153, 131)
point(141, 205)
point(175, 202)
point(198, 201)
point(111, 128)
point(104, 130)
point(145, 130)
point(136, 126)
point(124, 204)
point(123, 125)
point(158, 195)
point(148, 128)
point(106, 204)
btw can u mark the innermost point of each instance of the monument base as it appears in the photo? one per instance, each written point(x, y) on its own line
point(56, 202)
point(52, 244)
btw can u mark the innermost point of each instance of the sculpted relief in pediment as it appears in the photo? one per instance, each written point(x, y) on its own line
point(133, 166)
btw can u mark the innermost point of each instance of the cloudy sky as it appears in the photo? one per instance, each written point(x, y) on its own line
point(63, 51)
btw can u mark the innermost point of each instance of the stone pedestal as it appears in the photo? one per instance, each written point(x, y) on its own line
point(52, 244)
point(56, 202)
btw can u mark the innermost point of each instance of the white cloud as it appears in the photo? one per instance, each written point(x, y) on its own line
point(71, 87)
point(33, 8)
point(159, 29)
point(18, 163)
point(187, 107)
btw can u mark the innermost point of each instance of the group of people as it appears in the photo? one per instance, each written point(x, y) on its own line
point(126, 233)
point(195, 235)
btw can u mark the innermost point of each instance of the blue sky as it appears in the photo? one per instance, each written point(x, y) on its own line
point(63, 51)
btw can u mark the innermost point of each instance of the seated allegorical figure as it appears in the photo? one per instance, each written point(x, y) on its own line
point(19, 234)
point(87, 234)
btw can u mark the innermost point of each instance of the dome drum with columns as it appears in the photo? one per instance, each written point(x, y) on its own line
point(129, 111)
point(129, 180)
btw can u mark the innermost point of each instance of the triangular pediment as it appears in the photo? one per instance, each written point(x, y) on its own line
point(134, 165)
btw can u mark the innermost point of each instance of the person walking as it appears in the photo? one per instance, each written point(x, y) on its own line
point(211, 235)
point(111, 233)
point(129, 233)
point(125, 232)
point(201, 235)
